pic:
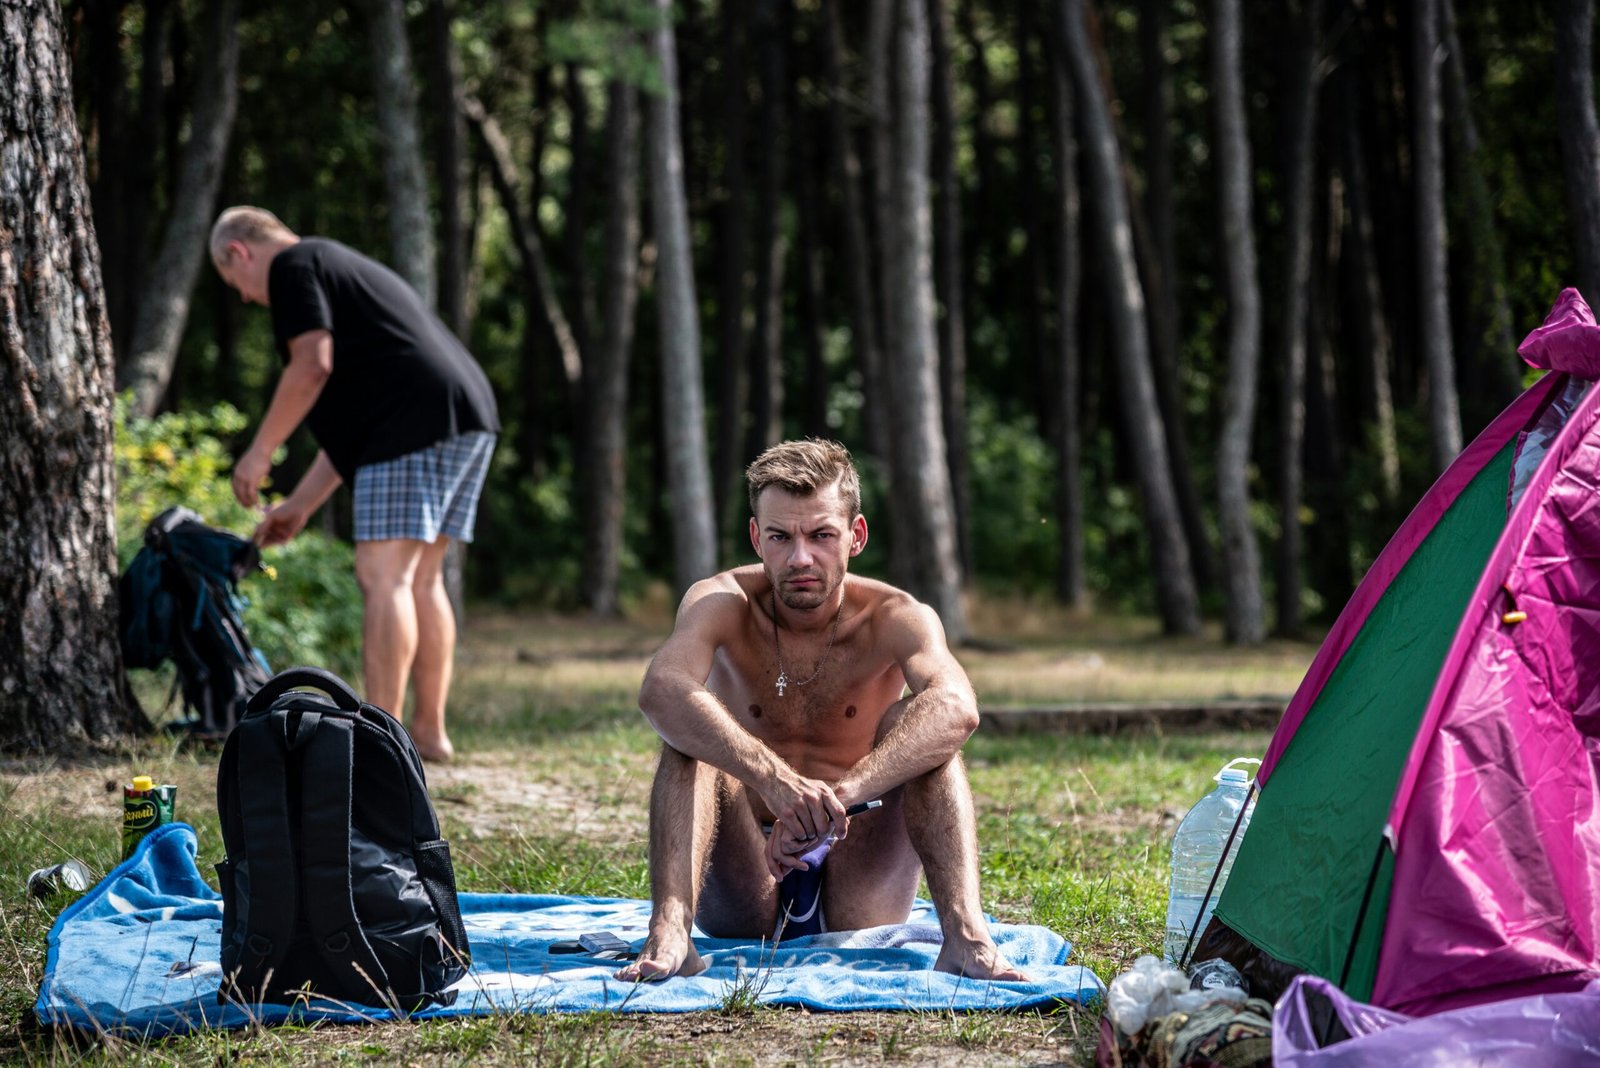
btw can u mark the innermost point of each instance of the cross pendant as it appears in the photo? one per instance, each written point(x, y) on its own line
point(783, 680)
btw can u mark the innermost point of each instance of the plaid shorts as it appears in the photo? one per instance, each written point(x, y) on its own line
point(426, 493)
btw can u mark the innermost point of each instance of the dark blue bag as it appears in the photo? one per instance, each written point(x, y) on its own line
point(179, 600)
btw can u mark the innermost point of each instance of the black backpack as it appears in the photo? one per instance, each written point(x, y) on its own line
point(179, 598)
point(336, 879)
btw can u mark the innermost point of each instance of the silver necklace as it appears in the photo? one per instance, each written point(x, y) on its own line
point(783, 676)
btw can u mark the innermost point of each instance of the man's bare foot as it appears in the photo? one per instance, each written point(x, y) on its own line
point(664, 955)
point(434, 748)
point(977, 960)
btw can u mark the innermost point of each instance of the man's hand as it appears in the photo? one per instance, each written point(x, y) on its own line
point(248, 475)
point(784, 850)
point(805, 808)
point(283, 521)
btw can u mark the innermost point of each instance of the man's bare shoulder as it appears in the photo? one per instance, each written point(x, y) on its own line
point(897, 618)
point(720, 601)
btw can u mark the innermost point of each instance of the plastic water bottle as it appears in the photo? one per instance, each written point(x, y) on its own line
point(1196, 848)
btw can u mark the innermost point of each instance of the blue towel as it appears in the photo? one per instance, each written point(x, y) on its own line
point(138, 954)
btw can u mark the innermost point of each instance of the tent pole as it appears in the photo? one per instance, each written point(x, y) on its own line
point(1361, 917)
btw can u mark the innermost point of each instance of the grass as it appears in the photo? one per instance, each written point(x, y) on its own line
point(550, 795)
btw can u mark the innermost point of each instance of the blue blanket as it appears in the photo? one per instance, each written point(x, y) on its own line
point(138, 954)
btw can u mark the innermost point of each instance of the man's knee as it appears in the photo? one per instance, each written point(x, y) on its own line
point(383, 567)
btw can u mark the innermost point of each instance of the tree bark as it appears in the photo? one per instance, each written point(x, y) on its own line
point(606, 391)
point(732, 388)
point(881, 59)
point(1580, 136)
point(682, 401)
point(813, 302)
point(867, 338)
point(108, 138)
point(921, 467)
point(1433, 283)
point(137, 185)
point(1243, 617)
point(948, 267)
point(580, 176)
point(163, 308)
point(1176, 597)
point(1301, 122)
point(394, 90)
point(1372, 325)
point(1161, 270)
point(1491, 303)
point(61, 681)
point(1071, 569)
point(766, 351)
point(449, 154)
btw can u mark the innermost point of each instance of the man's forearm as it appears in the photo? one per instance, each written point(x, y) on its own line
point(704, 730)
point(317, 484)
point(930, 730)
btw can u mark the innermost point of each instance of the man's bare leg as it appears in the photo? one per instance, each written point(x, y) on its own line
point(683, 815)
point(432, 667)
point(705, 864)
point(944, 832)
point(384, 571)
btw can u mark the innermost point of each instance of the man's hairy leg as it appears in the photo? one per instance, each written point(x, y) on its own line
point(943, 830)
point(384, 571)
point(683, 818)
point(435, 658)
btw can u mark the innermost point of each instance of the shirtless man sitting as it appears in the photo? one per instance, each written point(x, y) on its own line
point(778, 698)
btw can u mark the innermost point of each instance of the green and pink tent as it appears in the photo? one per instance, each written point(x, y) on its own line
point(1427, 833)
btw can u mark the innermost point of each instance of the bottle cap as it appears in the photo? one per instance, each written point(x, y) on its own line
point(143, 782)
point(1232, 774)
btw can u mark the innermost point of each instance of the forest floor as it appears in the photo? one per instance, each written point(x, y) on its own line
point(549, 794)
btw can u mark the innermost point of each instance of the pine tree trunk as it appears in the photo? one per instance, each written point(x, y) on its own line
point(890, 256)
point(1071, 569)
point(449, 162)
point(766, 352)
point(108, 138)
point(921, 466)
point(1433, 282)
point(1244, 621)
point(607, 387)
point(164, 300)
point(1176, 597)
point(1301, 123)
point(1161, 268)
point(948, 267)
point(580, 177)
point(732, 242)
point(394, 91)
point(61, 681)
point(1372, 325)
point(814, 322)
point(1580, 136)
point(1491, 302)
point(682, 401)
point(866, 337)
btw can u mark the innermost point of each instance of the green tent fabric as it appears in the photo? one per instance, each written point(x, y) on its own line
point(1316, 833)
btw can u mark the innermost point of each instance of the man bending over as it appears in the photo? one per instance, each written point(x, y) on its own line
point(778, 698)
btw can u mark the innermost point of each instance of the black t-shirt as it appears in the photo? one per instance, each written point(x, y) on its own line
point(401, 381)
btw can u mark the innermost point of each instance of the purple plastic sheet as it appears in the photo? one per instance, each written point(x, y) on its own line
point(1543, 1031)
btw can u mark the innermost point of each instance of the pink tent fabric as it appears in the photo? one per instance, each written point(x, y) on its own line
point(1495, 824)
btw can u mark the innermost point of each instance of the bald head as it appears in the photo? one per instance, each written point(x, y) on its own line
point(249, 225)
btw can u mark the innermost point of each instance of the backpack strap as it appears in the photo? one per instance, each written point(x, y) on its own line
point(325, 788)
point(310, 678)
point(264, 812)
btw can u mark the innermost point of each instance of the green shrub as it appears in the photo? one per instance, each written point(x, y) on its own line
point(304, 608)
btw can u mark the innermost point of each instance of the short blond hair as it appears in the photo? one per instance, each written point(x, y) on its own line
point(245, 223)
point(806, 467)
